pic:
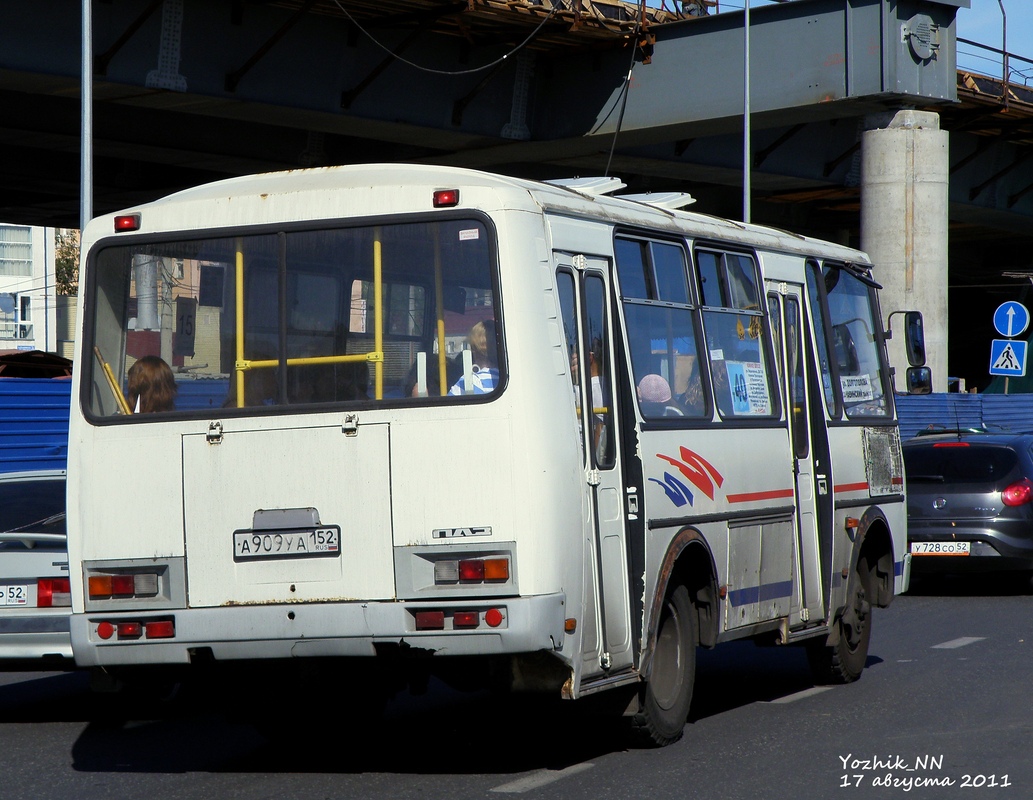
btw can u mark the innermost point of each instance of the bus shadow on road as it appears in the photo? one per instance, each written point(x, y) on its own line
point(740, 673)
point(416, 735)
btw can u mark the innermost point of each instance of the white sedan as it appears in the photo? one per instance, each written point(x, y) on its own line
point(35, 599)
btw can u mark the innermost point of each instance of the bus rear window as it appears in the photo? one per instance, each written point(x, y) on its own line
point(361, 315)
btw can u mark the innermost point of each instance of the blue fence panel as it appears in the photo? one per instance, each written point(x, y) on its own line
point(952, 411)
point(34, 423)
point(195, 395)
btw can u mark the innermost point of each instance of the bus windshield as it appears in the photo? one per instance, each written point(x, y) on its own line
point(297, 317)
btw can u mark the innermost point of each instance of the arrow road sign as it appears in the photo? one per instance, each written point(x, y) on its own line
point(1011, 318)
point(1007, 357)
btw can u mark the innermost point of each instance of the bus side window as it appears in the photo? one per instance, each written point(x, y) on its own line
point(733, 321)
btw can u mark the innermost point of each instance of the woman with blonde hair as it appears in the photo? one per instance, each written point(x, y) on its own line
point(152, 386)
point(481, 375)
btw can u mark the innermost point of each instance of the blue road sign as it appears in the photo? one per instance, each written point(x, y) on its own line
point(1011, 318)
point(1008, 357)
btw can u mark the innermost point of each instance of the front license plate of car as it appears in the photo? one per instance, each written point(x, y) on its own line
point(941, 548)
point(324, 541)
point(14, 594)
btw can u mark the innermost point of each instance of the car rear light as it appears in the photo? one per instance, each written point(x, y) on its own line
point(496, 569)
point(53, 593)
point(466, 619)
point(1018, 494)
point(493, 617)
point(951, 444)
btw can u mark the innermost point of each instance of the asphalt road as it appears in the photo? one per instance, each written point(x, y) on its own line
point(944, 709)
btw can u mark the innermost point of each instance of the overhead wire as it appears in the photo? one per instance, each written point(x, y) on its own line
point(627, 85)
point(431, 70)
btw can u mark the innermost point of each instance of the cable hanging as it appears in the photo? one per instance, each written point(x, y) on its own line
point(432, 71)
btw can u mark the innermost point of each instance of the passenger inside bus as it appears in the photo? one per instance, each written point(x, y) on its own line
point(654, 396)
point(480, 368)
point(692, 400)
point(152, 386)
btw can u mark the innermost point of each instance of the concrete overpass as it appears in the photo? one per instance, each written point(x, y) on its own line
point(188, 91)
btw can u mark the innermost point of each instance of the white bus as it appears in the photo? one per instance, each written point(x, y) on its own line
point(431, 421)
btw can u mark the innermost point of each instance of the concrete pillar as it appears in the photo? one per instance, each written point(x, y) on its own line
point(904, 174)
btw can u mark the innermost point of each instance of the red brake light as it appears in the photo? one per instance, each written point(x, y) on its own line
point(1018, 494)
point(471, 570)
point(466, 619)
point(127, 222)
point(123, 585)
point(430, 620)
point(51, 592)
point(129, 630)
point(446, 198)
point(951, 444)
point(160, 629)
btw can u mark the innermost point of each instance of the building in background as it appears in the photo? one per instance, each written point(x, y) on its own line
point(28, 291)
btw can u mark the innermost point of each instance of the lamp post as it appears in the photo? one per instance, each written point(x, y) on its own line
point(86, 130)
point(746, 165)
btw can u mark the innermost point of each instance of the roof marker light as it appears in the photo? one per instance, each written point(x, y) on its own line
point(127, 222)
point(446, 198)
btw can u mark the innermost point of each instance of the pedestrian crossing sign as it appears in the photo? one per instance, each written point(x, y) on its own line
point(1008, 357)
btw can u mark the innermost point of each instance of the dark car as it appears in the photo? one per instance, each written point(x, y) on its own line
point(970, 501)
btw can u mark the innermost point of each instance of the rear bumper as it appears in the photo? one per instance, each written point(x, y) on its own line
point(36, 636)
point(989, 551)
point(528, 624)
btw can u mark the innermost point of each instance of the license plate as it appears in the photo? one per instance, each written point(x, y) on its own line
point(941, 548)
point(14, 594)
point(319, 542)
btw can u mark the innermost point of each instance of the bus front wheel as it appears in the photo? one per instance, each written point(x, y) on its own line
point(665, 700)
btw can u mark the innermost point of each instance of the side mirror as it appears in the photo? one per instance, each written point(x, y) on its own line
point(914, 339)
point(919, 380)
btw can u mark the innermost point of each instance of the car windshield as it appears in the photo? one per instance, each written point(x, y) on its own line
point(959, 463)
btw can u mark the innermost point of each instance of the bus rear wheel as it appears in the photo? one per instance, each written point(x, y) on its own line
point(844, 661)
point(665, 700)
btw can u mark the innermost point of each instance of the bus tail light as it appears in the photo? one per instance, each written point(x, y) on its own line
point(160, 629)
point(471, 570)
point(446, 198)
point(53, 593)
point(430, 620)
point(121, 586)
point(127, 222)
point(466, 619)
point(136, 629)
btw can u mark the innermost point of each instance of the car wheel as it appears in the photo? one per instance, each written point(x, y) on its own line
point(665, 700)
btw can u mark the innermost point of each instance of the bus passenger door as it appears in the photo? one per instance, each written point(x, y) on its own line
point(583, 298)
point(810, 445)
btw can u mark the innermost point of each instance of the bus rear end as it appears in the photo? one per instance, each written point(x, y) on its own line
point(338, 473)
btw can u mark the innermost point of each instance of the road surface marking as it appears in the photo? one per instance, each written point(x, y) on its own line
point(540, 778)
point(792, 698)
point(953, 644)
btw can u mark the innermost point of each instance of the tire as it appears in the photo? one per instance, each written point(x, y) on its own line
point(844, 661)
point(665, 700)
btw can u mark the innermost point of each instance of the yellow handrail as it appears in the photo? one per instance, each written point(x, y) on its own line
point(378, 315)
point(439, 302)
point(240, 322)
point(120, 398)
